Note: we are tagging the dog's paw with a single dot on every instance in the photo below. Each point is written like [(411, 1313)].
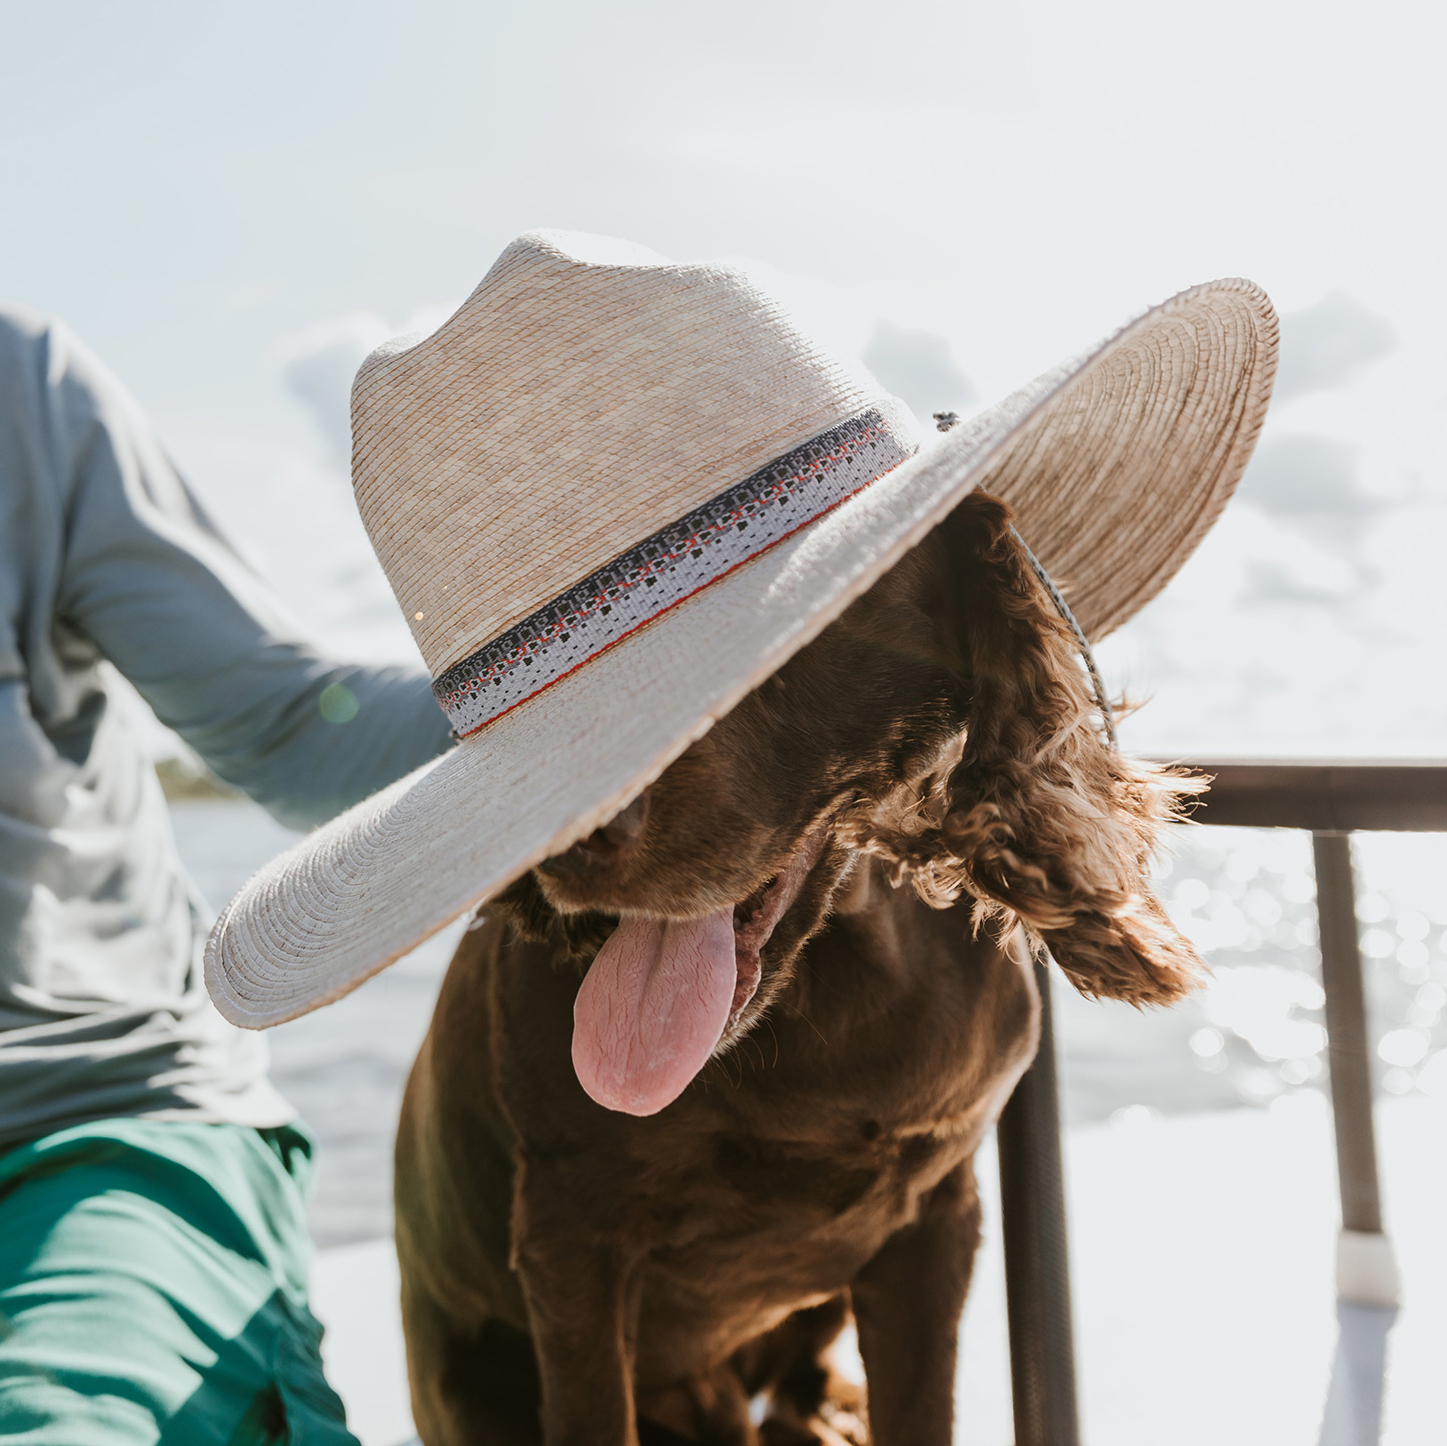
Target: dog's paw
[(843, 1426), (776, 1431), (839, 1420), (843, 1412)]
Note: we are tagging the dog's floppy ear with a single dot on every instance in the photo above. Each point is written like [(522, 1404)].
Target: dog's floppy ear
[(1041, 818)]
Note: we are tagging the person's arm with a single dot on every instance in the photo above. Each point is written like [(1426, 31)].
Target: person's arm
[(158, 590)]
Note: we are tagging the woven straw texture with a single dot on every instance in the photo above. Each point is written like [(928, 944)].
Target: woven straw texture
[(1116, 463), (1113, 511), (582, 398)]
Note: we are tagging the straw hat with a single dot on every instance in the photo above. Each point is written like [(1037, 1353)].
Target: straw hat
[(613, 494)]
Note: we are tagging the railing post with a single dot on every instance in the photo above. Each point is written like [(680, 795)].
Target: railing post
[(1037, 1263), (1366, 1268)]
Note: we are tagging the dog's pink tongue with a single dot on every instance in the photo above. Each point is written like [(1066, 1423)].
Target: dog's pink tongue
[(651, 1009)]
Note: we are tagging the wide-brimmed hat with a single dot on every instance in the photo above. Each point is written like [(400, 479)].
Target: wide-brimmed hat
[(613, 494)]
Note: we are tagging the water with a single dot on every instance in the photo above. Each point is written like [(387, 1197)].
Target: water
[(343, 1066), (1254, 1035)]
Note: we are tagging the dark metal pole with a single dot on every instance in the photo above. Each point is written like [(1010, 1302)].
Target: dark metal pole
[(1366, 1269), (1346, 1029), (1037, 1264)]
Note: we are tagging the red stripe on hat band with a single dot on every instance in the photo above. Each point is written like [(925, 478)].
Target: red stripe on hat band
[(660, 572)]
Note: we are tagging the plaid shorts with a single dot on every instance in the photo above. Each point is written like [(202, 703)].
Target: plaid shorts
[(153, 1288)]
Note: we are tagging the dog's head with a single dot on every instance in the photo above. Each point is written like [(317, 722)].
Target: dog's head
[(942, 724)]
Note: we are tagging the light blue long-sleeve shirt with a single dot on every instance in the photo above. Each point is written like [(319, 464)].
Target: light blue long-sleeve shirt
[(105, 556)]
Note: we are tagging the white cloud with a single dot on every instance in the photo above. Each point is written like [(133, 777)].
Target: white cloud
[(319, 362), (918, 367), (1325, 345)]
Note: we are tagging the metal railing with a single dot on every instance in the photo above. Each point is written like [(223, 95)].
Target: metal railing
[(1331, 800)]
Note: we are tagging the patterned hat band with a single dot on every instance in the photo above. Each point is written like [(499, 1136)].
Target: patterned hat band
[(663, 570)]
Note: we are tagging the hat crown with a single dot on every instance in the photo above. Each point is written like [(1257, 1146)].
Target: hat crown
[(586, 395)]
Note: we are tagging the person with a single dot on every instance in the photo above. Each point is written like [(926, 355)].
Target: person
[(153, 1242)]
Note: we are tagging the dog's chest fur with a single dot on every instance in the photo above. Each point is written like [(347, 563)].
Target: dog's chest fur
[(779, 1173)]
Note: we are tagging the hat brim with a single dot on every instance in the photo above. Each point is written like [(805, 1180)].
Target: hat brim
[(1116, 464)]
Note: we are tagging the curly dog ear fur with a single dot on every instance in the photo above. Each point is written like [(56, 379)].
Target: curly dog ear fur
[(1039, 819)]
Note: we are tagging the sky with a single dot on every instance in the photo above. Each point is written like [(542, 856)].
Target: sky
[(233, 202)]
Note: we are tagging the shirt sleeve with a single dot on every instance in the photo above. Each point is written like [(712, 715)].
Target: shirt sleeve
[(154, 585)]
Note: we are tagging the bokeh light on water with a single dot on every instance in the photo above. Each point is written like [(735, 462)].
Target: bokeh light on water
[(1253, 1037), (1247, 898)]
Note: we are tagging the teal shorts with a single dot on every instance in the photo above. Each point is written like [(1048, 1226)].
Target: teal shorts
[(153, 1289)]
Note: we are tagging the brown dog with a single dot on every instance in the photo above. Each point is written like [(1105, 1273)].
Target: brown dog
[(798, 1054)]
